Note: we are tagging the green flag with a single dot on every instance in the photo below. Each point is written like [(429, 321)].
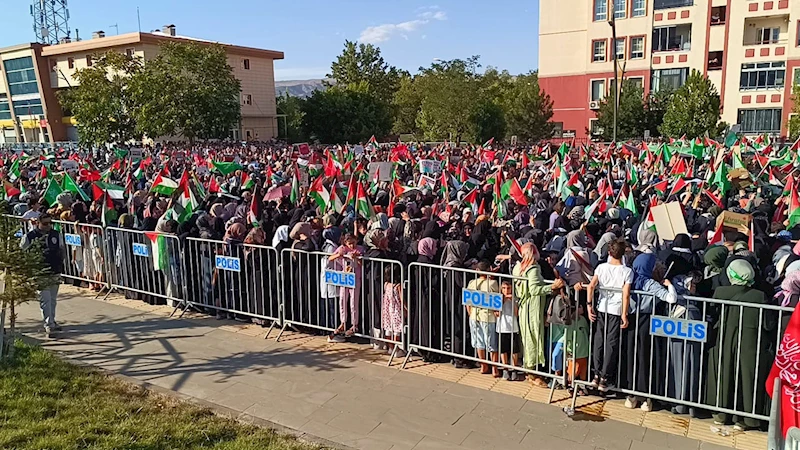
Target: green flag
[(226, 168), (630, 205), (52, 192), (68, 184), (720, 179), (730, 140), (563, 149)]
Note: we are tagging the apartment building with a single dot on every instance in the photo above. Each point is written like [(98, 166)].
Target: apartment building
[(750, 50), (32, 74)]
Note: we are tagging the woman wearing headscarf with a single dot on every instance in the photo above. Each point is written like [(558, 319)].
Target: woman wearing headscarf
[(788, 296), (577, 264), (454, 256), (375, 260), (601, 249), (679, 260), (648, 291), (532, 296), (426, 299), (305, 263), (737, 365), (714, 258), (257, 271), (229, 282)]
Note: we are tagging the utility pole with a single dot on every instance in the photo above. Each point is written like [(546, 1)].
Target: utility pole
[(613, 22)]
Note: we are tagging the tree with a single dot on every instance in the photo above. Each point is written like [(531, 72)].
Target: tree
[(406, 104), (22, 273), (528, 109), (631, 114), (489, 121), (290, 127), (101, 102), (363, 63), (694, 109), (655, 107), (339, 115), (793, 124), (188, 90)]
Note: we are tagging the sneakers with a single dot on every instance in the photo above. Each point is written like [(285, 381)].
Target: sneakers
[(647, 405), (335, 338), (631, 402), (595, 382), (48, 332), (603, 386)]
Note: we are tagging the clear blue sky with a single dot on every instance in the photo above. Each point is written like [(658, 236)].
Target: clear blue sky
[(311, 33)]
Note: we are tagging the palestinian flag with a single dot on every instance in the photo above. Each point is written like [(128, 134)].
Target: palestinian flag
[(443, 189), (294, 194), (630, 204), (247, 182), (720, 179), (633, 177), (185, 206), (363, 204), (10, 190), (254, 212), (482, 207), (661, 187), (44, 173), (516, 246), (678, 187), (52, 192), (68, 184), (320, 195), (499, 203), (336, 199), (158, 243), (593, 207), (649, 221), (114, 192), (372, 143), (226, 168), (14, 171), (717, 201), (201, 190), (163, 185), (789, 186), (471, 199), (719, 236), (737, 161), (773, 180), (794, 210), (563, 150), (511, 189), (488, 144)]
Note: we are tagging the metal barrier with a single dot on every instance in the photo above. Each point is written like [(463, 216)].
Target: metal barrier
[(467, 315), (336, 294), (238, 279), (83, 251), (689, 354), (24, 225), (146, 263)]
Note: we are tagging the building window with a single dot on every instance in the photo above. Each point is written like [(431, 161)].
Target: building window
[(715, 60), (636, 83), (600, 10), (31, 107), (639, 8), (246, 64), (594, 127), (620, 48), (88, 60), (675, 38), (619, 9), (21, 76), (248, 99), (666, 4), (129, 52), (5, 109), (768, 35), (718, 14), (599, 51), (670, 79), (769, 75), (637, 47), (760, 120), (71, 63), (598, 90)]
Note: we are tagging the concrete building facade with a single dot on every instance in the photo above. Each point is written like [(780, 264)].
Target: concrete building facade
[(749, 49), (32, 74)]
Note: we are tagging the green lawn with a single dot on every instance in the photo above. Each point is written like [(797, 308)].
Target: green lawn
[(46, 403)]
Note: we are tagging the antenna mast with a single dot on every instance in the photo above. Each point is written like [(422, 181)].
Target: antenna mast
[(50, 21)]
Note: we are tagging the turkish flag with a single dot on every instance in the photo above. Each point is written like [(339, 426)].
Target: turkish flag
[(787, 368)]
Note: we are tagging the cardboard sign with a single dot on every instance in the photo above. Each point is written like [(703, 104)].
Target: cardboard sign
[(669, 220), (135, 154), (430, 166), (732, 221), (385, 171), (303, 150), (358, 150), (69, 164)]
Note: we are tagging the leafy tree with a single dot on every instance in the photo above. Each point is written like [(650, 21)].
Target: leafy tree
[(188, 90), (528, 109), (345, 115), (407, 103), (488, 119), (655, 107), (694, 109), (290, 127), (793, 124), (363, 63), (22, 272), (631, 115), (101, 102)]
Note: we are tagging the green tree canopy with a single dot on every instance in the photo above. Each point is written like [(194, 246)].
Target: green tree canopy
[(631, 115), (528, 109), (188, 90), (100, 100), (345, 115), (793, 123), (694, 109), (363, 63), (290, 127)]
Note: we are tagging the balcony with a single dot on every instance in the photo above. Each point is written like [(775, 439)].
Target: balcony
[(766, 30), (667, 4), (672, 39), (715, 60), (718, 14)]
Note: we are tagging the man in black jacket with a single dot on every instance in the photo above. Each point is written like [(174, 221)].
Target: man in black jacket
[(51, 246)]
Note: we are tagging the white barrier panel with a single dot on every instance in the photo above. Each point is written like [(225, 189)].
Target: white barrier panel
[(84, 252)]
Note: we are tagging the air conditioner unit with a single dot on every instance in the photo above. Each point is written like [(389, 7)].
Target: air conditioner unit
[(594, 105)]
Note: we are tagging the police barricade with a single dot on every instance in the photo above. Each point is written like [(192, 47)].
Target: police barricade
[(145, 264), (83, 252), (238, 280), (343, 296), (697, 354), (469, 317)]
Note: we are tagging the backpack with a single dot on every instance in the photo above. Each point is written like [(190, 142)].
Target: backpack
[(561, 310)]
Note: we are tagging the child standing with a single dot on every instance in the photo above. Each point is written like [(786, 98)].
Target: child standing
[(392, 309), (348, 259), (508, 329), (482, 321)]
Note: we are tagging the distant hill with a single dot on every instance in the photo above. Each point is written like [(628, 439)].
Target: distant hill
[(299, 88)]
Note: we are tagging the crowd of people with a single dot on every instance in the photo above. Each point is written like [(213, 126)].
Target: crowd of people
[(579, 260)]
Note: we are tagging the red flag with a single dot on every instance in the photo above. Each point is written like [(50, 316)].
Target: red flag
[(679, 168), (515, 245), (714, 198), (10, 189), (482, 207), (525, 161), (678, 187), (516, 193), (786, 368), (719, 236), (213, 186), (330, 167)]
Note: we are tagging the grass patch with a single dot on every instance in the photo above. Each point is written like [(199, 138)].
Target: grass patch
[(47, 403)]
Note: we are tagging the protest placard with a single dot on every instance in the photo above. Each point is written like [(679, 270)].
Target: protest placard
[(732, 221), (430, 166), (669, 220), (385, 173)]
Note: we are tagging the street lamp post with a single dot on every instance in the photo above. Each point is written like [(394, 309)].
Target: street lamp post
[(613, 22)]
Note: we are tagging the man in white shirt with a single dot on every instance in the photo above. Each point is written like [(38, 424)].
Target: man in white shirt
[(611, 314)]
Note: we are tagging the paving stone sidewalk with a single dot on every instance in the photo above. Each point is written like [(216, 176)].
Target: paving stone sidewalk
[(336, 394)]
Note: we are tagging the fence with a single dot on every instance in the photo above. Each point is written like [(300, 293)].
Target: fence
[(83, 252), (697, 344), (335, 293)]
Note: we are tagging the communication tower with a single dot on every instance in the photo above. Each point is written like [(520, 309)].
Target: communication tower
[(50, 21)]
